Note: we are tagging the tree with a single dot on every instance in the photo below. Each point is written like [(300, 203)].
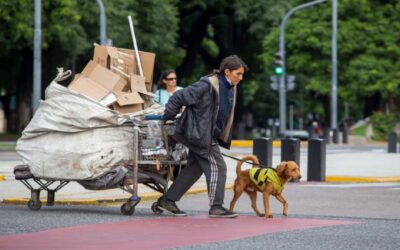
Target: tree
[(211, 30), (69, 29), (368, 55)]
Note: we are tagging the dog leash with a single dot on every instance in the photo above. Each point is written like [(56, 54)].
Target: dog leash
[(248, 162)]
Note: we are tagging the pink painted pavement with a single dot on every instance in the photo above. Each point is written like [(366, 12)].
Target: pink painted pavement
[(158, 233)]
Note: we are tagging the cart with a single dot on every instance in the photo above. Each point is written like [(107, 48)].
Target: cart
[(157, 159)]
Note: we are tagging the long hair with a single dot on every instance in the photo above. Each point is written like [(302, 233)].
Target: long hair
[(163, 76)]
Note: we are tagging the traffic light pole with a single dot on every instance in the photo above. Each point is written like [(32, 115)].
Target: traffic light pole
[(282, 87)]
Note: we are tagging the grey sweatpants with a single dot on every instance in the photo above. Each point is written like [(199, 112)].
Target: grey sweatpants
[(214, 169)]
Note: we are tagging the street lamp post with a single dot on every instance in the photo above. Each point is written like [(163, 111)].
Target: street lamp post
[(37, 56), (282, 87), (103, 25)]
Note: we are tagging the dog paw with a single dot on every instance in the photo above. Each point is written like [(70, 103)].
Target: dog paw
[(261, 215), (269, 216), (285, 214)]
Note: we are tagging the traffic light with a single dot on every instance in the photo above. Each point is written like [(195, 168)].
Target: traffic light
[(278, 64)]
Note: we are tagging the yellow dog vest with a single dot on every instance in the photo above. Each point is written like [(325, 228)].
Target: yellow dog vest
[(260, 176)]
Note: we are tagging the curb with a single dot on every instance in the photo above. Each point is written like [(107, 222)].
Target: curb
[(249, 143), (362, 179), (155, 195), (109, 202)]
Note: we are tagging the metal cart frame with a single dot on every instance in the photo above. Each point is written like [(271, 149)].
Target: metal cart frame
[(161, 171)]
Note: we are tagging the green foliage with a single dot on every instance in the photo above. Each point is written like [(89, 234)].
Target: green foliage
[(382, 125), (193, 36), (155, 22), (360, 131), (16, 25), (249, 90), (62, 31), (368, 47)]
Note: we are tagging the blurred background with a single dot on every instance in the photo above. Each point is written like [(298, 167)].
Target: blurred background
[(192, 36)]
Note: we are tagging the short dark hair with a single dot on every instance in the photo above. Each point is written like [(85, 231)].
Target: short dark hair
[(232, 62), (163, 76)]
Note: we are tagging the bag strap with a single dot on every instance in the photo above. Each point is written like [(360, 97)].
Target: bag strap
[(61, 75)]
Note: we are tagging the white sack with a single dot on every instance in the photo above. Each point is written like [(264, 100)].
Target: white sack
[(72, 137)]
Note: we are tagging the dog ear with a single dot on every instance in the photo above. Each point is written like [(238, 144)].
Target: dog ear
[(280, 169)]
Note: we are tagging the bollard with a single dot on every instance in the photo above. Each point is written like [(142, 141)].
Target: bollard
[(335, 136), (392, 143), (241, 131), (311, 133), (345, 135), (262, 148), (290, 150), (327, 135), (316, 160)]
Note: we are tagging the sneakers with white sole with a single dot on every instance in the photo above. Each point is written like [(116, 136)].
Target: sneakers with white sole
[(170, 206), (221, 212)]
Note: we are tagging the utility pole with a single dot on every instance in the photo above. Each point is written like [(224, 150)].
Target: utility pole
[(37, 57), (334, 115), (103, 25), (282, 87)]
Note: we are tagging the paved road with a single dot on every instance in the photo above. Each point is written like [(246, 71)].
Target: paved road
[(343, 162), (321, 216)]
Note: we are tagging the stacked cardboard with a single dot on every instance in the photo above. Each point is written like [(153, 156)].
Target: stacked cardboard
[(112, 78)]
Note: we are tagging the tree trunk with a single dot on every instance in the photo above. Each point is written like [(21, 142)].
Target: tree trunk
[(194, 40), (24, 90)]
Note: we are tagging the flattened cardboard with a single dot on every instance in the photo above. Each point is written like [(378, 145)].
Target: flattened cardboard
[(122, 62), (125, 98), (128, 102), (138, 84), (104, 77), (102, 55), (147, 60), (91, 89), (128, 108)]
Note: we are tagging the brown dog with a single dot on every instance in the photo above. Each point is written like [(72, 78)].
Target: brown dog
[(267, 183)]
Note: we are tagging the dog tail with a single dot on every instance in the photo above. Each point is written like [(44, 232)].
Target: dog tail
[(252, 158)]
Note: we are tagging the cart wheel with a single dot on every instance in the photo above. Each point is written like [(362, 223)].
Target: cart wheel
[(34, 205), (155, 208), (127, 210)]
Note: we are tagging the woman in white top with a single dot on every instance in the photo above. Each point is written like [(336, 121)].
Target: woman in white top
[(167, 85)]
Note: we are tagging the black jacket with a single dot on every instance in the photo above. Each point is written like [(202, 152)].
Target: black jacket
[(196, 125)]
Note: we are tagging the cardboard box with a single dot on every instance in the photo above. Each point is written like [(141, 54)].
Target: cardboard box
[(128, 102), (148, 100), (104, 77), (93, 90), (138, 84), (147, 60), (123, 62)]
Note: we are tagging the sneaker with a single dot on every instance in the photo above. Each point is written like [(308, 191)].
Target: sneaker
[(170, 206), (221, 212)]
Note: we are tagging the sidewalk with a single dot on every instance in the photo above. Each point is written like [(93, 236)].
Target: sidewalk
[(342, 165)]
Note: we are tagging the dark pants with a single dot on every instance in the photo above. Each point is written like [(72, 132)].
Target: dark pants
[(213, 167)]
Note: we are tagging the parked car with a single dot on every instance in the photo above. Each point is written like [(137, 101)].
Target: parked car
[(300, 134)]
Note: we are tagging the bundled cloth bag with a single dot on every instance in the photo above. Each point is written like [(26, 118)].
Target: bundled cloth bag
[(72, 137)]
